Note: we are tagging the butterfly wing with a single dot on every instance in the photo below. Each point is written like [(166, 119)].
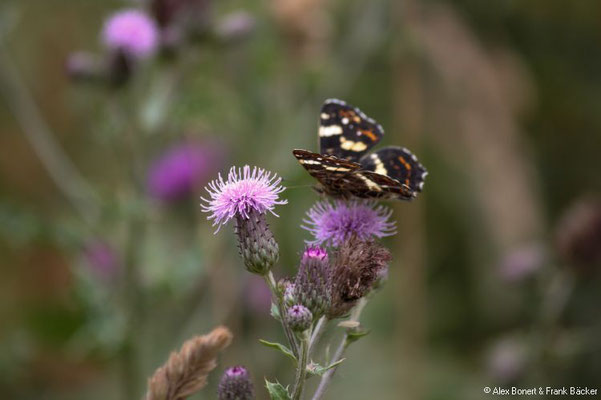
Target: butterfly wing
[(331, 172), (399, 164), (345, 131), (343, 178)]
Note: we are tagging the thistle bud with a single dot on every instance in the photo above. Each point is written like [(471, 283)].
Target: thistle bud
[(312, 283), (256, 244), (299, 318), (235, 384), (286, 290), (579, 234), (358, 267)]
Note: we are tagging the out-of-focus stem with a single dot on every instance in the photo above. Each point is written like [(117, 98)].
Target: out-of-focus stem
[(282, 310), (317, 332), (556, 294), (136, 225), (132, 299), (326, 379), (58, 165)]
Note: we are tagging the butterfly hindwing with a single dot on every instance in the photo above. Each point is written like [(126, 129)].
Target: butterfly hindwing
[(399, 164), (345, 131)]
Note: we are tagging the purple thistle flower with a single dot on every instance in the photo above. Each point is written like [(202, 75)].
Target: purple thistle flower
[(333, 224), (315, 252), (132, 32), (179, 171), (235, 384), (246, 191)]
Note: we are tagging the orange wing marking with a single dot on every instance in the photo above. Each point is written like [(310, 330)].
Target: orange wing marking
[(408, 166)]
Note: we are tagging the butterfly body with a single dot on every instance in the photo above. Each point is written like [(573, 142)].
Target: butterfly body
[(344, 168)]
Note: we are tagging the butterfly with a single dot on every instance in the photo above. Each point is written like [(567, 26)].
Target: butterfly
[(345, 168)]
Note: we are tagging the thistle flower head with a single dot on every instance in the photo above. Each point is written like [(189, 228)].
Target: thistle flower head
[(579, 234), (245, 191), (312, 282), (315, 252), (132, 32), (235, 384), (357, 268), (333, 224), (299, 318)]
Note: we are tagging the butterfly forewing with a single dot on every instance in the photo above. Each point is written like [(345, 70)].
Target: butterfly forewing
[(345, 131), (330, 171)]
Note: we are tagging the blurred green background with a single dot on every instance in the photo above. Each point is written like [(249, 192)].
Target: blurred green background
[(500, 101)]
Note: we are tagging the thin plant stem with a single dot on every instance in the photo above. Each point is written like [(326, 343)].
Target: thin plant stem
[(132, 298), (555, 296), (301, 367), (59, 166), (326, 379), (317, 332), (281, 309), (137, 225)]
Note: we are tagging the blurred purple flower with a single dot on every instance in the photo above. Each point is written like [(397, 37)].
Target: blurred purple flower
[(507, 359), (181, 169), (83, 66), (103, 260), (132, 32), (235, 26), (522, 262), (244, 192), (332, 224)]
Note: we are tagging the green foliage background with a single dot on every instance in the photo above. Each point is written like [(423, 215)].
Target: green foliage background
[(500, 100)]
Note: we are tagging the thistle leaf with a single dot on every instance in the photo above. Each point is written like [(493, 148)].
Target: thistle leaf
[(353, 335), (277, 391), (281, 348), (275, 312), (316, 369)]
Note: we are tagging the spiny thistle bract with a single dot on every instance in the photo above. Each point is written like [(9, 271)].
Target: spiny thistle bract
[(312, 283), (235, 384), (357, 268)]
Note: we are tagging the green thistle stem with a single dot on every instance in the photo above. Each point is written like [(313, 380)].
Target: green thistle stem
[(301, 368), (282, 311)]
